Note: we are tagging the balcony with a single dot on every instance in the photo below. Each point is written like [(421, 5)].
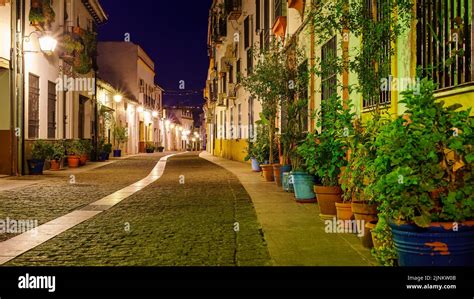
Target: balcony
[(222, 100), (233, 9), (219, 30), (279, 26)]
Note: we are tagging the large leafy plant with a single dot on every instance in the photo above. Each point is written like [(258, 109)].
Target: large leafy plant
[(359, 172), (325, 154), (424, 165)]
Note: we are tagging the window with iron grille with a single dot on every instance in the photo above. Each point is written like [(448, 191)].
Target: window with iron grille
[(33, 106), (383, 66), (444, 40), (329, 78), (279, 9), (266, 14), (51, 110), (232, 124), (239, 120)]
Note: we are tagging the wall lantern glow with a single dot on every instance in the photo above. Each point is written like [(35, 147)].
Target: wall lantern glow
[(140, 109), (167, 123), (155, 114), (172, 126), (47, 44), (118, 98)]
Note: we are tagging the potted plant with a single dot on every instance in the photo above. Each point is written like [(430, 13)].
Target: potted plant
[(86, 149), (58, 153), (301, 179), (325, 153), (106, 151), (41, 14), (74, 151), (161, 149), (40, 151), (150, 148), (254, 156), (424, 181), (359, 172), (120, 135)]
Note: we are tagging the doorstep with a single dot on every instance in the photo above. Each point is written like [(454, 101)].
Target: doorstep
[(294, 232)]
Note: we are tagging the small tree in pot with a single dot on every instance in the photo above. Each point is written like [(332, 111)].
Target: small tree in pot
[(120, 135), (57, 155)]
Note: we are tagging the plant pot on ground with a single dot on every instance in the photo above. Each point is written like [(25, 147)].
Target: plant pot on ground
[(277, 174), (57, 155), (161, 149), (40, 151), (74, 151), (120, 135), (86, 149), (303, 186), (325, 153), (428, 149), (254, 155), (150, 148), (267, 170)]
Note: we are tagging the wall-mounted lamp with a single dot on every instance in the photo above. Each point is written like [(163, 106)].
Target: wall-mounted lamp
[(47, 43)]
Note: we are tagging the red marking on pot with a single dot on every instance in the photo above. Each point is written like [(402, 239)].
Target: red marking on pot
[(440, 247)]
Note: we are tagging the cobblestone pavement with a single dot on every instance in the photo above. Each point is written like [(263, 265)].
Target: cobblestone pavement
[(197, 214), (55, 196)]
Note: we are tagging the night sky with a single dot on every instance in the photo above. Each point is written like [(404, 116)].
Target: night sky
[(173, 33)]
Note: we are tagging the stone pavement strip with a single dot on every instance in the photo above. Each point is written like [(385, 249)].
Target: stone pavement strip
[(18, 245), (294, 233)]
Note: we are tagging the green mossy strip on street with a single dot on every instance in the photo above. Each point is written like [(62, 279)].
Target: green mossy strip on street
[(187, 218)]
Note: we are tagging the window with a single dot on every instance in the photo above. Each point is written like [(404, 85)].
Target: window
[(51, 110), (258, 15), (383, 66), (266, 14), (249, 61), (232, 124), (329, 78), (33, 106), (238, 71), (231, 73), (239, 121), (444, 41), (224, 82), (247, 33), (251, 119)]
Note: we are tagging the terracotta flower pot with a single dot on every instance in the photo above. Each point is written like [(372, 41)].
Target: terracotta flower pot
[(369, 240), (327, 198), (277, 174), (83, 160), (268, 172), (364, 213), (55, 165), (344, 211), (73, 161)]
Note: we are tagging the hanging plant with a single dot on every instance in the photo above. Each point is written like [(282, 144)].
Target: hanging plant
[(42, 14)]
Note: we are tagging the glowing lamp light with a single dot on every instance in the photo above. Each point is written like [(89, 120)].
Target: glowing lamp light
[(155, 114), (172, 126), (47, 44), (194, 139), (167, 123), (180, 128), (118, 98), (140, 109)]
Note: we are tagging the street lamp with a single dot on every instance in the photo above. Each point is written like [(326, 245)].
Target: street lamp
[(140, 109), (155, 114), (118, 98), (47, 43)]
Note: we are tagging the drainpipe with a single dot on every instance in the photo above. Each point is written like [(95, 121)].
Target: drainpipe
[(18, 84), (13, 87)]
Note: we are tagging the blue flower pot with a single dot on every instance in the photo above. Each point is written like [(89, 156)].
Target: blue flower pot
[(304, 186), (437, 245), (35, 166), (283, 169), (255, 165), (117, 153)]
